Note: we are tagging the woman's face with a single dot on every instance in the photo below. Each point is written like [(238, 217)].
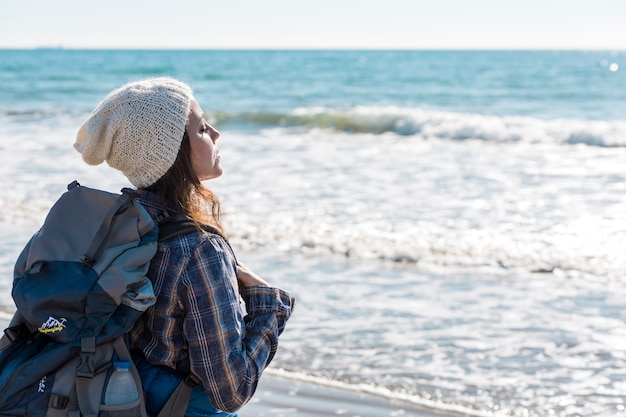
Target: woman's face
[(205, 158)]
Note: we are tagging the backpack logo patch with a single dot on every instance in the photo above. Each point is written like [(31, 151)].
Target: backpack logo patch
[(52, 325)]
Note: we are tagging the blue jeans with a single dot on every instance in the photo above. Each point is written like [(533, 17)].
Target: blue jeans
[(160, 382)]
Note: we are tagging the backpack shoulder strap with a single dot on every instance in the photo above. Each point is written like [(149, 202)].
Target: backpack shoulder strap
[(176, 405), (180, 225)]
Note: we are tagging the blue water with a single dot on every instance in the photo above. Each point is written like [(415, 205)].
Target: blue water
[(451, 222), (545, 85)]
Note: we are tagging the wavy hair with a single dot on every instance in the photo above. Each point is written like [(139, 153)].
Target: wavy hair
[(181, 186)]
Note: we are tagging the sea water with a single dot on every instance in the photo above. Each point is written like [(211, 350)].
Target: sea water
[(452, 224)]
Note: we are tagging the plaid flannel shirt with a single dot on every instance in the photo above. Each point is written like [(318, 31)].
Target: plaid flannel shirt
[(199, 314)]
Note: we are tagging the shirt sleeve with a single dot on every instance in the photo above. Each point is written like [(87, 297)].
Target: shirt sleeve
[(229, 346)]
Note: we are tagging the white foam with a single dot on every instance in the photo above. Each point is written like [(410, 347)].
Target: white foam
[(436, 124), (468, 325)]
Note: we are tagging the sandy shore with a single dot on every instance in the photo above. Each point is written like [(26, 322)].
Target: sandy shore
[(278, 397)]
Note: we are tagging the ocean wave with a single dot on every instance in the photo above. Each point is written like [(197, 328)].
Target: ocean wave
[(399, 121), (424, 244), (31, 113), (419, 244), (53, 116), (433, 124)]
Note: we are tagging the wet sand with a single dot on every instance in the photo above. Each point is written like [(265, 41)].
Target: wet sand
[(277, 397)]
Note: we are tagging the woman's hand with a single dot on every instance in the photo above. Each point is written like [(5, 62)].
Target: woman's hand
[(247, 278)]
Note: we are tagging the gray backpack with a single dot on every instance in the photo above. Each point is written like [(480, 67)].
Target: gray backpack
[(79, 285)]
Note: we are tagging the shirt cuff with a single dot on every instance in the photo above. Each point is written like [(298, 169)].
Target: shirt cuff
[(260, 299)]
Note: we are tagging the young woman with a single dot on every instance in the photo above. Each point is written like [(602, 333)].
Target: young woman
[(154, 131)]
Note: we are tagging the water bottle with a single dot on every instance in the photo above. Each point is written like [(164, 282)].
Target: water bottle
[(121, 388)]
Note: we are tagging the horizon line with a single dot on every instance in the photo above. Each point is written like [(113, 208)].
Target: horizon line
[(308, 48)]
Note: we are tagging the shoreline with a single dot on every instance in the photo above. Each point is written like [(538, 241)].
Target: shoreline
[(279, 395), (289, 394)]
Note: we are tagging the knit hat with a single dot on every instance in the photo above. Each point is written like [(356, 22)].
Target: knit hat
[(137, 129)]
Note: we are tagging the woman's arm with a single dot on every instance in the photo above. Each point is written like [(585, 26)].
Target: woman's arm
[(247, 278), (229, 348)]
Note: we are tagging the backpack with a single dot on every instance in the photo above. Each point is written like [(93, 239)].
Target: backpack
[(79, 286)]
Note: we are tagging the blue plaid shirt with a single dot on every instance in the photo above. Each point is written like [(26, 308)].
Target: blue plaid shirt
[(199, 315)]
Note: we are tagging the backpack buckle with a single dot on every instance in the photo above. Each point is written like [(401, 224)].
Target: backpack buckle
[(192, 381), (19, 332), (86, 367), (60, 402)]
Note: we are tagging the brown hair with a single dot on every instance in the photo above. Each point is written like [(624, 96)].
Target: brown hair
[(181, 186)]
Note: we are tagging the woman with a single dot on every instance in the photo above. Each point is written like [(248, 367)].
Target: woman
[(154, 131)]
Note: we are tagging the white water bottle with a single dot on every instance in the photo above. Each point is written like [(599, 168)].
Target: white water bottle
[(121, 388)]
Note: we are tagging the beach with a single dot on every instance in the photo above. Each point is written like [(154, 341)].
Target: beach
[(278, 397), (452, 224)]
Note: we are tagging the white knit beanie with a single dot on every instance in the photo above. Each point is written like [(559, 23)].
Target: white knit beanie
[(137, 129)]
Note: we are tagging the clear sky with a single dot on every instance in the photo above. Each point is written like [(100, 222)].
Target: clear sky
[(328, 24)]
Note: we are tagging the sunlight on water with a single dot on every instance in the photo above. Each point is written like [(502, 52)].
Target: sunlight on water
[(541, 300), (518, 345), (454, 239)]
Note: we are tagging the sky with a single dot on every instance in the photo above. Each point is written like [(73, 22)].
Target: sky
[(314, 24)]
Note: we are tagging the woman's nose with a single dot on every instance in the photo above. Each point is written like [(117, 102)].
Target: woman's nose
[(214, 133)]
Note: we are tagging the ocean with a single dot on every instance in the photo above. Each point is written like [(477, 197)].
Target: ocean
[(452, 223)]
